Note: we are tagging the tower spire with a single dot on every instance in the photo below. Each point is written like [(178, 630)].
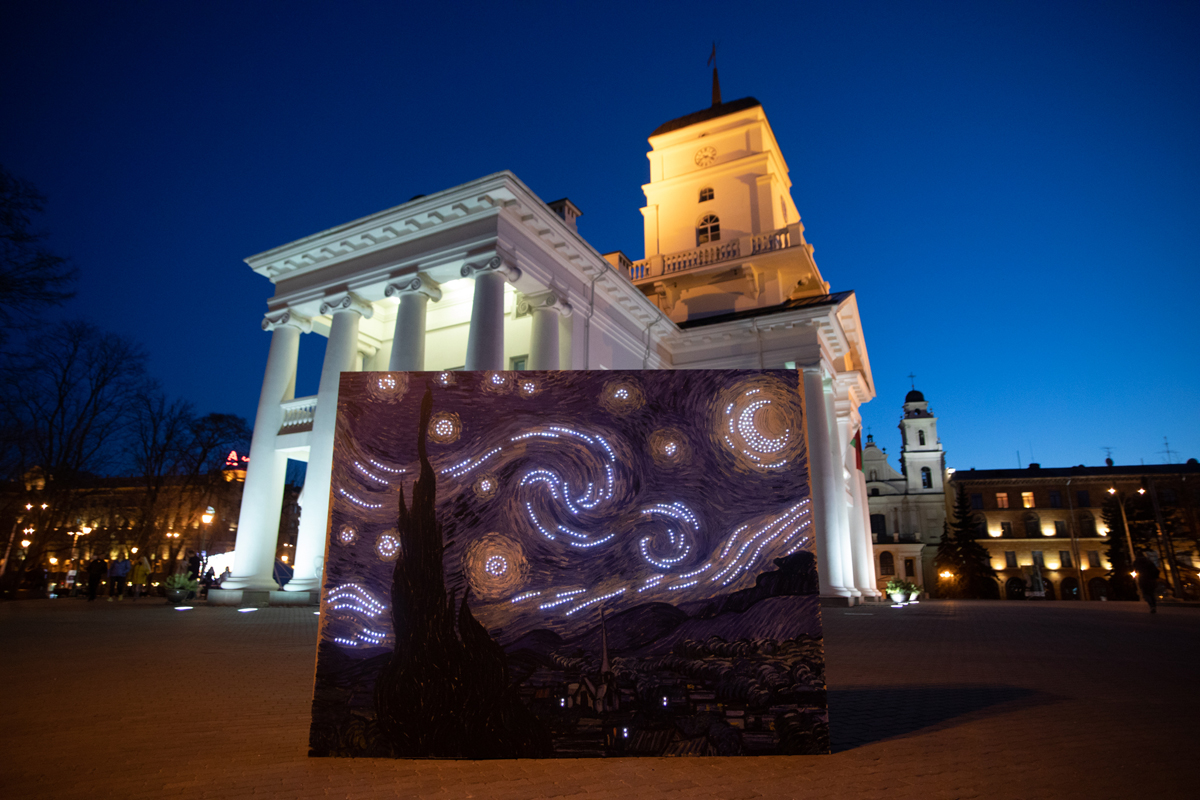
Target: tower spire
[(712, 62)]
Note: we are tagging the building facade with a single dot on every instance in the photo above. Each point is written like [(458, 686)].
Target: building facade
[(907, 506), (486, 276), (1045, 533)]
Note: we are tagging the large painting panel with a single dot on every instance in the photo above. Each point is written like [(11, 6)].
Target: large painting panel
[(568, 564)]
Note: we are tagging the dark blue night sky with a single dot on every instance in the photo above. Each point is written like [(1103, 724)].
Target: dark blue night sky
[(1011, 190)]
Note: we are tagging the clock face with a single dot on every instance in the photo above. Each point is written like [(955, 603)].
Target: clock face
[(705, 156)]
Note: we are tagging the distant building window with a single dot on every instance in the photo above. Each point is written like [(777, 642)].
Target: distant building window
[(1033, 526), (1060, 528), (926, 478), (1055, 499), (1087, 525), (1093, 559), (977, 502), (1064, 560), (518, 362), (1167, 496), (1039, 560), (709, 229), (1001, 499), (1082, 499), (874, 493), (910, 568), (921, 437), (887, 563), (706, 194), (1010, 559), (1027, 500), (879, 524), (1006, 529)]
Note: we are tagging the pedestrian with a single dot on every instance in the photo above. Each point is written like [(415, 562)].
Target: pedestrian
[(1147, 578), (96, 569), (138, 576), (193, 565), (221, 578), (118, 574)]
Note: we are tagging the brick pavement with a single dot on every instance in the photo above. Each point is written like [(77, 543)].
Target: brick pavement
[(941, 700)]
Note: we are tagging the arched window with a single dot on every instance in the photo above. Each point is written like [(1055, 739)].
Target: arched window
[(921, 437), (926, 478), (706, 194), (709, 229), (887, 563)]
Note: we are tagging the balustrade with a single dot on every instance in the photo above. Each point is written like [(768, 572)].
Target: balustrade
[(298, 414)]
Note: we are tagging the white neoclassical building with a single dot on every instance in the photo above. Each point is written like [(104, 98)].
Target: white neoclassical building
[(488, 276)]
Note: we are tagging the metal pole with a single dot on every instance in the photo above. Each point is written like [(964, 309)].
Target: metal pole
[(1172, 567), (1129, 541), (1075, 542)]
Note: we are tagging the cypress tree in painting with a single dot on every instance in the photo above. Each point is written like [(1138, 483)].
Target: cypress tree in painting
[(446, 691)]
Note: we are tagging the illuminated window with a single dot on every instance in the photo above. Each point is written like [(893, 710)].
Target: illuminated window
[(1060, 528), (1055, 500), (1006, 529), (706, 194), (709, 229), (977, 502), (921, 437), (1001, 499), (926, 478), (1093, 559), (1010, 559), (887, 564), (1026, 499), (1064, 560)]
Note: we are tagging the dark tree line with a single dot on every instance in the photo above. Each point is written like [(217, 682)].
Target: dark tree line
[(962, 558)]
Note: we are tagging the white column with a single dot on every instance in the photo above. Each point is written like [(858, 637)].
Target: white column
[(546, 308), (824, 499), (837, 448), (340, 353), (408, 342), (262, 495), (485, 339), (860, 533)]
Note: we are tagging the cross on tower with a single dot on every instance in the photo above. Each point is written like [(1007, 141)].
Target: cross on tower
[(912, 379)]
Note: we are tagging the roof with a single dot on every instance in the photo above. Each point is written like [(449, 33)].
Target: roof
[(720, 110), (914, 397), (788, 305), (1075, 472)]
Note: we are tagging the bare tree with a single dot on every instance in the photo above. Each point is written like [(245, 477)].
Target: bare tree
[(30, 275), (66, 401)]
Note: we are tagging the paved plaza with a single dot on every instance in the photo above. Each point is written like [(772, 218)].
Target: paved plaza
[(939, 700)]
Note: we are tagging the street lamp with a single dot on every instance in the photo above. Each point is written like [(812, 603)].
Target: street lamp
[(1128, 538)]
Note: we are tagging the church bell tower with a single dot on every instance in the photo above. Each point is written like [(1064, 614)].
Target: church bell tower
[(921, 458)]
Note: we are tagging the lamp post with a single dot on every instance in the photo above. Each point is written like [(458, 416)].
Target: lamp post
[(84, 530), (1128, 539)]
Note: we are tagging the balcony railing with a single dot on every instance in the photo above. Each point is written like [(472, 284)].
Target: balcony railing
[(298, 414), (713, 253)]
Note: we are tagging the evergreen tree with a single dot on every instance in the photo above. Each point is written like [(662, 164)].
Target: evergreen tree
[(1141, 531), (947, 561), (976, 578)]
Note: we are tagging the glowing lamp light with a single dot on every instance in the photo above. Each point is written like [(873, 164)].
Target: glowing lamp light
[(1112, 491), (208, 515), (1133, 574), (85, 530), (994, 534), (25, 543), (283, 558), (29, 506), (133, 550), (53, 560), (946, 574), (45, 506), (1141, 491)]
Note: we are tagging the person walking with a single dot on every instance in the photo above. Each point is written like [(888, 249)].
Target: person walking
[(193, 564), (96, 569), (1147, 578), (138, 577), (118, 574)]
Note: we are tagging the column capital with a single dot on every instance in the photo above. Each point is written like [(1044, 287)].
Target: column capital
[(418, 284), (346, 301), (494, 264), (544, 301), (275, 319)]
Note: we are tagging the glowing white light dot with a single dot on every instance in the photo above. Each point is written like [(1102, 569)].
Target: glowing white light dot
[(496, 565)]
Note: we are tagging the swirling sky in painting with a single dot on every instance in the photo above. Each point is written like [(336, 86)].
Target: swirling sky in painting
[(562, 493)]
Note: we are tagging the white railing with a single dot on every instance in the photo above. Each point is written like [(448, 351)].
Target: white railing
[(298, 414), (711, 254)]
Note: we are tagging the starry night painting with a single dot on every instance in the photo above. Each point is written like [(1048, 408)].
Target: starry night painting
[(570, 564)]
